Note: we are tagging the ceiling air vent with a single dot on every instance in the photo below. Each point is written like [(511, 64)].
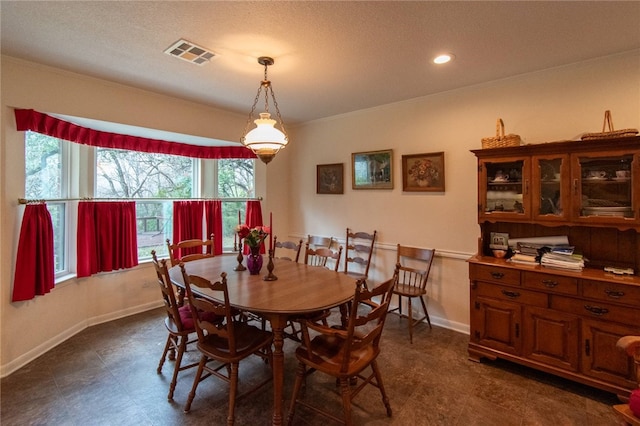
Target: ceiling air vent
[(190, 52)]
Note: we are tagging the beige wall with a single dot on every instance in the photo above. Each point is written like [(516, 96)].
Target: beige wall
[(545, 106)]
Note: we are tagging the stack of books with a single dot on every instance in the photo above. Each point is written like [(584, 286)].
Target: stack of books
[(524, 259), (573, 262)]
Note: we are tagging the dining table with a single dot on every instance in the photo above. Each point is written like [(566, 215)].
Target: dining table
[(298, 289)]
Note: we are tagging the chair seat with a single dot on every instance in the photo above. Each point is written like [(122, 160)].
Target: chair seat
[(408, 290), (248, 339), (327, 353), (187, 318)]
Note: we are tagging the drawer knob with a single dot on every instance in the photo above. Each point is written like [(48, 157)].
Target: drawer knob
[(497, 275), (614, 294), (550, 283), (511, 294), (596, 310)]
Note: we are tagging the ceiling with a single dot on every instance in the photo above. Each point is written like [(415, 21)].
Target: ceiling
[(330, 57)]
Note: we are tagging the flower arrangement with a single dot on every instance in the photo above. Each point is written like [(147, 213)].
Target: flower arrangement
[(253, 237), (423, 172)]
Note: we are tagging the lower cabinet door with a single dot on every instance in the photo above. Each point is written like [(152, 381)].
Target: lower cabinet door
[(600, 356), (551, 337), (496, 324)]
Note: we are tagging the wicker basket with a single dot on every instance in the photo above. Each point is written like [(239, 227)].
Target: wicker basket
[(500, 140), (608, 124)]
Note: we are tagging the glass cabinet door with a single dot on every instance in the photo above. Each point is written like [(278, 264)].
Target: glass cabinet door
[(603, 188), (503, 188), (550, 187)]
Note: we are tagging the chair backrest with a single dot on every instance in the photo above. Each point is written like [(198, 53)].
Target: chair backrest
[(188, 250), (171, 305), (316, 241), (413, 265), (358, 251), (204, 309), (320, 256), (288, 249)]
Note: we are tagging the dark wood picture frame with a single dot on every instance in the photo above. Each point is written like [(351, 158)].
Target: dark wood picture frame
[(423, 172), (330, 178), (372, 169)]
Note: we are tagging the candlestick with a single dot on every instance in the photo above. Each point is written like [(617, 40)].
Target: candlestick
[(240, 266), (270, 276)]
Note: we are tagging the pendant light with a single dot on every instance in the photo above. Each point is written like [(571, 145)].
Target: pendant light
[(265, 140)]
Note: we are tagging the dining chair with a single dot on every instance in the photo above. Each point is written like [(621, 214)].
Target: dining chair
[(321, 256), (317, 241), (413, 266), (629, 413), (225, 343), (179, 324), (358, 252), (288, 249), (345, 353), (188, 250)]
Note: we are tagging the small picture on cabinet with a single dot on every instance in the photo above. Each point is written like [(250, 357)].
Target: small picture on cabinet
[(423, 172), (499, 241)]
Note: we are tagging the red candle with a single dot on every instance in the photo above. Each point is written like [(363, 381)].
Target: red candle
[(270, 231), (238, 217)]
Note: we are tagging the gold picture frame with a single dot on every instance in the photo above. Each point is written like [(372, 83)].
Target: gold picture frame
[(372, 169), (330, 178), (423, 172)]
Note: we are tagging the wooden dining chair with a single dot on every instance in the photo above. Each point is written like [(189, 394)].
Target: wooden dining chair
[(188, 250), (322, 257), (629, 414), (317, 241), (287, 250), (358, 252), (345, 353), (224, 343), (413, 266), (179, 324)]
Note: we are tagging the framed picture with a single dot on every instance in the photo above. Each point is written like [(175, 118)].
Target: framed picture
[(423, 172), (330, 178), (372, 170), (499, 241)]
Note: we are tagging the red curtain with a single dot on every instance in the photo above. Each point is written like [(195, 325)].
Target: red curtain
[(106, 237), (28, 119), (213, 220), (187, 223), (253, 219), (35, 268)]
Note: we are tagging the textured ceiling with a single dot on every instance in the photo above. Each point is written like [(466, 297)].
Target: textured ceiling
[(330, 57)]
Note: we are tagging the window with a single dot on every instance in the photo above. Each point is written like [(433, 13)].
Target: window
[(155, 180)]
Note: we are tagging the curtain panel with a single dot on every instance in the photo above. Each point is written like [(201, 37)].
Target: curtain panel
[(187, 224), (253, 219), (35, 268), (106, 237), (213, 221), (28, 119)]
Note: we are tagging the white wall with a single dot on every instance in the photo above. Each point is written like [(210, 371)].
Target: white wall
[(545, 106)]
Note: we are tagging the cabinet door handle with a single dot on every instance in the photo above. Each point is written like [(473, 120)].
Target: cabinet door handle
[(511, 294), (614, 294), (497, 275), (550, 283), (596, 310)]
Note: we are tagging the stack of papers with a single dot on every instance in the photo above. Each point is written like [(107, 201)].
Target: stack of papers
[(574, 262), (524, 259)]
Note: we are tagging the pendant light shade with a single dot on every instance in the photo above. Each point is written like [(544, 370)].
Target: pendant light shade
[(265, 140)]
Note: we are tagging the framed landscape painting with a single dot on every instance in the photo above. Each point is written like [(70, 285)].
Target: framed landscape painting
[(372, 170), (330, 178), (423, 172)]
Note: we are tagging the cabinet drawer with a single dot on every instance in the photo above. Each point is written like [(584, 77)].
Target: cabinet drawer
[(518, 295), (596, 310), (550, 283), (494, 274), (611, 292)]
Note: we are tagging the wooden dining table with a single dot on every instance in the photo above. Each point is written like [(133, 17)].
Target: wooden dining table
[(299, 289)]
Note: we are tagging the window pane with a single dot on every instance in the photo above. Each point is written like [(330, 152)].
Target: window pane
[(58, 219), (43, 166), (129, 174), (236, 178)]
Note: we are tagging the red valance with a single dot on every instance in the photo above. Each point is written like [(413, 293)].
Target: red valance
[(28, 119)]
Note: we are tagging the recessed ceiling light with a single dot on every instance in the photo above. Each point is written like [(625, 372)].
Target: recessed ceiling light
[(443, 59)]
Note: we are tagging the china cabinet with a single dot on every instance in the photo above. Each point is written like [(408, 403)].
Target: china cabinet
[(560, 321)]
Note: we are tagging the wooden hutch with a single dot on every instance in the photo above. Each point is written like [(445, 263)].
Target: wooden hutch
[(559, 321)]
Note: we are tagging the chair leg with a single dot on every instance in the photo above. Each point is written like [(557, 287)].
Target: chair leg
[(410, 313), (400, 306), (182, 347), (426, 314), (345, 390), (164, 354), (385, 398), (233, 390), (300, 373), (196, 380)]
